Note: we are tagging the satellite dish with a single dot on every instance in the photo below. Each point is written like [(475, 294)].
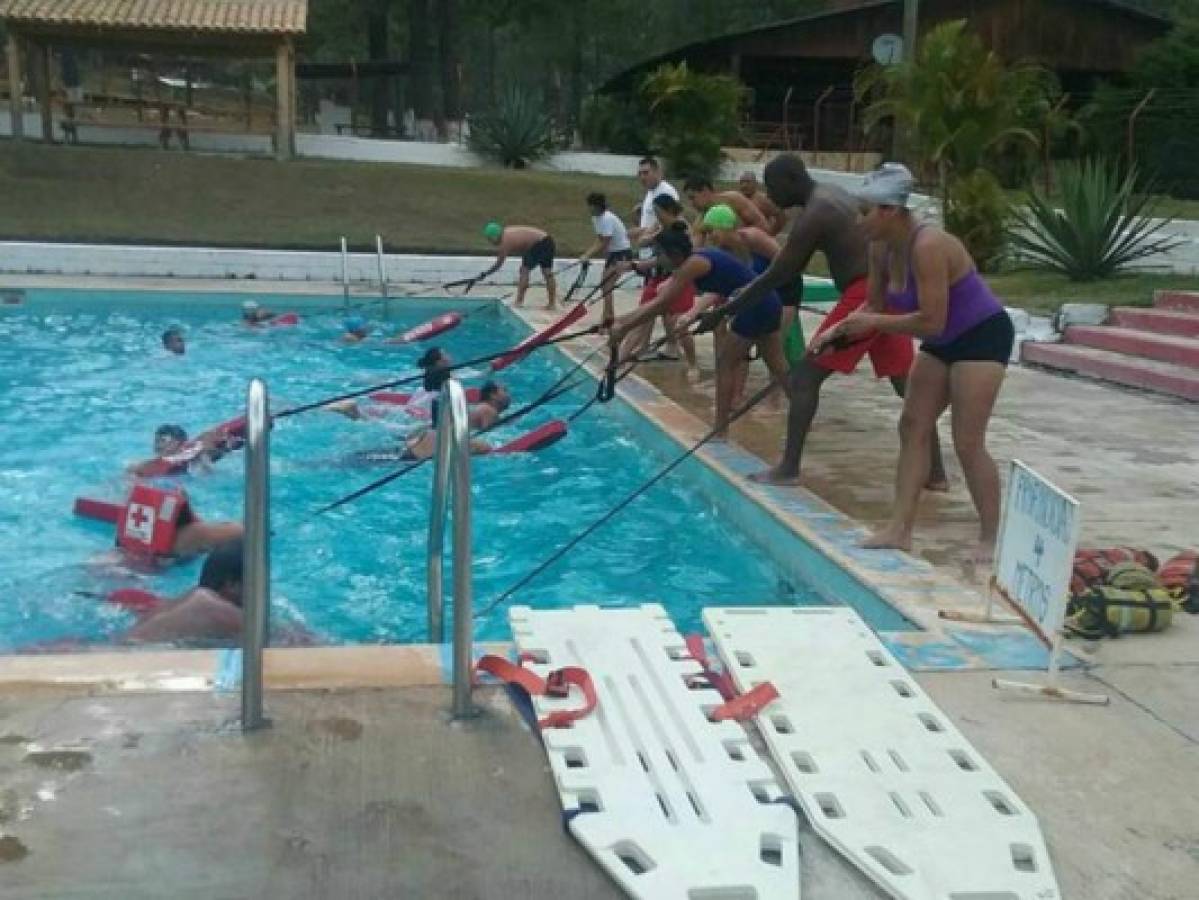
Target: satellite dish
[(887, 49)]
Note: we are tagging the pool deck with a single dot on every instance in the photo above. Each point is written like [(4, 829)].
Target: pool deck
[(121, 774)]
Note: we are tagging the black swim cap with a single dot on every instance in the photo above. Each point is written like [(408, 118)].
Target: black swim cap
[(223, 567), (172, 431)]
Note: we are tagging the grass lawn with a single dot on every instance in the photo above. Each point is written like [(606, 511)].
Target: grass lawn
[(1045, 292), (146, 196)]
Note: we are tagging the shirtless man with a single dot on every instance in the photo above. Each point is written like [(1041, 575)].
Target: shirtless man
[(776, 219), (494, 399), (174, 454), (211, 611), (703, 197), (829, 223), (536, 249)]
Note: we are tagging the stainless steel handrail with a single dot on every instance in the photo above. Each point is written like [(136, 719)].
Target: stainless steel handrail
[(256, 559), (453, 461), (345, 277), (382, 258)]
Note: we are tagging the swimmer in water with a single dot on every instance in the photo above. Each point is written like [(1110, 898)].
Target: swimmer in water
[(172, 341), (423, 445), (494, 399), (355, 329), (211, 611), (253, 314), (174, 454)]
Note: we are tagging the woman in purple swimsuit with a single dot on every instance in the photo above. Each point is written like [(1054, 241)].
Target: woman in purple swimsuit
[(926, 281)]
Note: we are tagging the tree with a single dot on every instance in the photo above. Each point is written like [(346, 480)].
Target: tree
[(692, 116), (963, 110)]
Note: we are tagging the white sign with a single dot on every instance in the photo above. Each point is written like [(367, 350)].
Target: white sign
[(1035, 555), (887, 49)]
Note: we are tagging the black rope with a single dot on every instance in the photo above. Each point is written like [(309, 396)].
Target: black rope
[(619, 507), (412, 379)]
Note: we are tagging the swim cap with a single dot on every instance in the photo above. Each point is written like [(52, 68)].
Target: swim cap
[(493, 231), (889, 185), (249, 305), (354, 324), (720, 218)]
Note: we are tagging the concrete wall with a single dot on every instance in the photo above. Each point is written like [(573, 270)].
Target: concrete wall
[(33, 258)]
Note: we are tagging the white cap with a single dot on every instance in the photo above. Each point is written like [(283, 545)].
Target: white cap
[(249, 305), (889, 185)]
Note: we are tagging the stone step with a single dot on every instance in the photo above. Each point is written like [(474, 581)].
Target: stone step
[(1183, 351), (1163, 321), (1148, 374), (1180, 301)]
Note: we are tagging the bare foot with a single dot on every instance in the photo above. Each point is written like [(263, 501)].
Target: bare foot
[(720, 437), (984, 556), (887, 539), (938, 485), (519, 303), (775, 476), (692, 375), (551, 306)]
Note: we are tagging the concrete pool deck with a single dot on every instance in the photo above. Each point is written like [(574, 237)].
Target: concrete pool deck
[(370, 792)]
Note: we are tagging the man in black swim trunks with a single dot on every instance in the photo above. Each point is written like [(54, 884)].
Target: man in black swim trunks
[(536, 249)]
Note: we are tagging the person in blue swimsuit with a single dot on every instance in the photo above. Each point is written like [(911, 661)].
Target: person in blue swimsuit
[(716, 275)]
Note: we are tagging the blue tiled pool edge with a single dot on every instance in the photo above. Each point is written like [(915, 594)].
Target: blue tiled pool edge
[(817, 544)]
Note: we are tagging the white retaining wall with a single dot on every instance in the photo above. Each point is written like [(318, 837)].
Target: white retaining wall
[(34, 258)]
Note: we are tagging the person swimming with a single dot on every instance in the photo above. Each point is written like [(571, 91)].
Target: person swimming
[(211, 611), (175, 454), (355, 329), (172, 341)]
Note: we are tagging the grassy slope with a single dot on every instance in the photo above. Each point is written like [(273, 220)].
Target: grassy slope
[(94, 194)]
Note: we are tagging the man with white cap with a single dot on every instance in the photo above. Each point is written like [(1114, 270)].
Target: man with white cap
[(253, 314), (828, 222), (930, 287)]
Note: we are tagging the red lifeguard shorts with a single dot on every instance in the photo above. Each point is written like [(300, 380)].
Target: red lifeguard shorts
[(890, 354), (682, 303)]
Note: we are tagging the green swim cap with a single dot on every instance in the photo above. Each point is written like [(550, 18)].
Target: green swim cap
[(493, 231), (720, 218)]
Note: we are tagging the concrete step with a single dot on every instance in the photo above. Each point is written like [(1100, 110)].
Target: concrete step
[(1180, 301), (1163, 321), (1148, 374), (1183, 351)]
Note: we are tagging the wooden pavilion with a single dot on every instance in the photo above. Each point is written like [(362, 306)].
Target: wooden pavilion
[(240, 29)]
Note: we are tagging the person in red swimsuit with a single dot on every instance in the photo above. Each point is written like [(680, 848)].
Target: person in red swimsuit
[(828, 222)]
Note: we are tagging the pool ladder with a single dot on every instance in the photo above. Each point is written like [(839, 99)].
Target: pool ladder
[(380, 258), (256, 557), (453, 470)]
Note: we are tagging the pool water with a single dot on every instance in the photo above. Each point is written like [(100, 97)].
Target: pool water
[(84, 383)]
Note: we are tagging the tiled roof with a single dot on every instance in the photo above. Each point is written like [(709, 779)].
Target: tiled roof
[(227, 16)]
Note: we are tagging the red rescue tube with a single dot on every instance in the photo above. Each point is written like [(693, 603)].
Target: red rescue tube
[(100, 510), (136, 600), (429, 329), (399, 399), (536, 340), (537, 439), (287, 318)]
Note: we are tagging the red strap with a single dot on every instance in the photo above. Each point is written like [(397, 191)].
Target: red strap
[(748, 705), (522, 349), (558, 684), (721, 681)]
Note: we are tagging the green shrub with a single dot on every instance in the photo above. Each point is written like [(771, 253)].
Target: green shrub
[(516, 132), (692, 116), (617, 123), (1098, 225), (977, 211)]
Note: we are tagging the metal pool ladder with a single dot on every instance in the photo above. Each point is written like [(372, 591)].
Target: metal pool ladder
[(256, 558), (453, 463)]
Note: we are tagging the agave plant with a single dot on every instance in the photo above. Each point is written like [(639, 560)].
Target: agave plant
[(1099, 225), (516, 132)]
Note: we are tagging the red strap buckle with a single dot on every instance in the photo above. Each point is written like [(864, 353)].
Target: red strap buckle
[(556, 684), (748, 705)]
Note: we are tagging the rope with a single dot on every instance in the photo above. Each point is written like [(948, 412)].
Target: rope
[(412, 379), (619, 507)]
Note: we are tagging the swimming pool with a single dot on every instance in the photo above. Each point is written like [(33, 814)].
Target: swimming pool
[(84, 383)]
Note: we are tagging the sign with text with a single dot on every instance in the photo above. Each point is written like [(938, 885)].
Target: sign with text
[(1035, 554)]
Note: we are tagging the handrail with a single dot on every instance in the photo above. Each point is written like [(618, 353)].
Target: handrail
[(453, 460), (345, 277), (382, 266), (256, 561)]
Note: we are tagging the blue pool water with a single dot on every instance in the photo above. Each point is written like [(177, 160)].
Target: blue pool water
[(84, 383)]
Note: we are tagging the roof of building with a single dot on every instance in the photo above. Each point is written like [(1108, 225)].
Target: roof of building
[(256, 17), (686, 50)]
